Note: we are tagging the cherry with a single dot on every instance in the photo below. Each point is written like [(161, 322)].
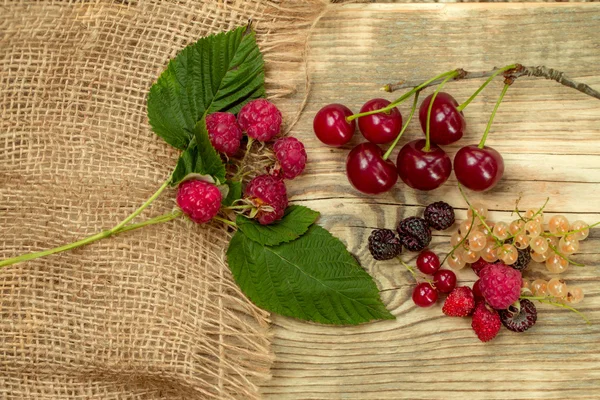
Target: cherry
[(424, 295), (447, 124), (428, 262), (382, 127), (444, 280), (420, 169), (368, 172), (478, 168), (331, 127)]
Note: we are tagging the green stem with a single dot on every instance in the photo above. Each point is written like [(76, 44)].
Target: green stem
[(498, 72), (489, 125), (570, 232), (554, 249), (545, 300), (428, 123), (88, 240), (243, 160), (412, 112), (476, 213), (461, 241), (225, 221), (241, 207), (405, 96), (142, 207)]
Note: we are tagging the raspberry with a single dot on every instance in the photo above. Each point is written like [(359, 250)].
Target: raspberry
[(260, 119), (291, 156), (267, 191), (224, 132), (384, 244), (414, 233), (522, 320), (439, 215), (486, 322), (500, 285), (459, 303), (199, 200)]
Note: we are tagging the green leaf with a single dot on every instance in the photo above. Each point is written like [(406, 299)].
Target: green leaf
[(199, 158), (312, 278), (235, 192), (295, 222), (217, 73)]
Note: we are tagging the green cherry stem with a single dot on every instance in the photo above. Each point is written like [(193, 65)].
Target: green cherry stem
[(412, 112), (90, 239), (491, 120), (491, 78), (405, 96), (437, 90)]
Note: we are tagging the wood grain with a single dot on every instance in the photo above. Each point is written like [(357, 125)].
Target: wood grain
[(550, 138)]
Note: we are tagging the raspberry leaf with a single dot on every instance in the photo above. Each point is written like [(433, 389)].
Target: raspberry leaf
[(295, 222), (220, 72), (199, 158), (235, 192), (312, 278)]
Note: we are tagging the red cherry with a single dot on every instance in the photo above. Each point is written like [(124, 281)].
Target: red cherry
[(428, 262), (331, 127), (423, 170), (368, 172), (382, 127), (478, 169), (444, 280), (424, 295), (447, 124)]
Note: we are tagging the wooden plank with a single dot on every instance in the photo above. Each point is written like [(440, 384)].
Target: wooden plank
[(550, 138)]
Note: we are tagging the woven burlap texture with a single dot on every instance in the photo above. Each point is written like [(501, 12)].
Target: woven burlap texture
[(152, 313)]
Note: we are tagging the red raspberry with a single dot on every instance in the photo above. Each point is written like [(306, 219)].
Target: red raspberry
[(260, 119), (459, 303), (224, 132), (291, 156), (269, 191), (486, 322), (500, 285), (199, 200)]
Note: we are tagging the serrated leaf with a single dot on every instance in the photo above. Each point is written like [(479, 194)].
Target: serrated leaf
[(235, 192), (312, 278), (295, 222), (199, 158), (217, 73)]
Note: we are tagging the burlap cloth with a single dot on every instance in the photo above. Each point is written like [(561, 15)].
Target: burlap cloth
[(153, 313)]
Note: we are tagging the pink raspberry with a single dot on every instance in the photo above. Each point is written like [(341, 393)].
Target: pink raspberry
[(269, 191), (199, 200), (260, 119), (500, 285), (291, 156), (224, 132)]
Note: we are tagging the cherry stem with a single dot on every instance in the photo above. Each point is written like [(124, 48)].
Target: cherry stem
[(546, 300), (412, 112), (437, 90), (489, 125), (405, 96), (494, 74)]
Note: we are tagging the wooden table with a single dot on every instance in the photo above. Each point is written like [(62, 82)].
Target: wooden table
[(549, 136)]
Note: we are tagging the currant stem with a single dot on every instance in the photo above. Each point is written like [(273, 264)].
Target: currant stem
[(437, 90), (546, 300), (554, 249), (412, 112), (489, 125), (88, 240), (571, 232), (461, 241), (491, 78), (476, 213), (405, 96)]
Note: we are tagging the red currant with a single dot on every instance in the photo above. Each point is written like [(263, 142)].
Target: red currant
[(424, 295), (428, 262), (477, 291), (331, 127), (444, 280), (382, 127)]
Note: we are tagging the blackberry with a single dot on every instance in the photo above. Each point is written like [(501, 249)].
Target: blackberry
[(414, 233), (384, 244), (519, 321), (439, 215)]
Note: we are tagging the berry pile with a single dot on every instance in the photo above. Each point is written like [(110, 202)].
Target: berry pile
[(265, 196)]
